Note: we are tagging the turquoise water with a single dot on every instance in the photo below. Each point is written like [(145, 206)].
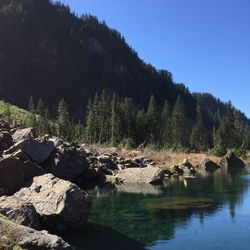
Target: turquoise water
[(208, 213)]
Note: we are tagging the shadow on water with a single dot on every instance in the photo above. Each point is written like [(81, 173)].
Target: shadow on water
[(136, 216), (97, 237)]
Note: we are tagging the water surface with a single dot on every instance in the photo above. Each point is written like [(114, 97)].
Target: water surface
[(207, 213)]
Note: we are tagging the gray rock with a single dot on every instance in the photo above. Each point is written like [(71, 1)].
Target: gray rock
[(188, 169), (37, 151), (151, 175), (232, 162), (12, 175), (20, 212), (67, 163), (29, 238), (60, 204), (209, 165), (31, 169), (6, 137), (25, 133)]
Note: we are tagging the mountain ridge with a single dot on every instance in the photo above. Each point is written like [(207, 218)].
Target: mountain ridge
[(71, 57)]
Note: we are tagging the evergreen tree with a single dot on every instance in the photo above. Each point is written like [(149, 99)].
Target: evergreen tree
[(40, 108), (198, 140), (115, 121), (32, 116), (165, 125), (228, 135), (63, 119), (151, 121), (104, 114), (179, 125), (127, 118), (140, 127)]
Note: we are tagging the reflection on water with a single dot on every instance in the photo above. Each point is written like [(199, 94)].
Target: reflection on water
[(193, 211)]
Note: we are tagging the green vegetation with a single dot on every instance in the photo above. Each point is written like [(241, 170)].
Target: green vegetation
[(6, 239)]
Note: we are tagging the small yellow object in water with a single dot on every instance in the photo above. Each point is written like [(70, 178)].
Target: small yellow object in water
[(185, 183)]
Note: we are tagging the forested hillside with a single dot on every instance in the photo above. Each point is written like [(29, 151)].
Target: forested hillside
[(51, 54)]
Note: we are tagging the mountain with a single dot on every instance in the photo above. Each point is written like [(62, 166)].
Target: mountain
[(50, 53)]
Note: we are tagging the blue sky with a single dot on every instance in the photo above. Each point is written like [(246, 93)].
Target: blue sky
[(204, 43)]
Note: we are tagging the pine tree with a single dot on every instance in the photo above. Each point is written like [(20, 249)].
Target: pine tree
[(151, 121), (40, 107), (63, 119), (140, 127), (165, 125), (179, 125), (115, 121), (32, 122), (228, 135), (90, 135), (104, 114), (199, 136)]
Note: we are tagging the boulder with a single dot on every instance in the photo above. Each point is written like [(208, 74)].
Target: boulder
[(6, 137), (231, 162), (31, 169), (38, 151), (151, 175), (20, 212), (12, 175), (60, 204), (66, 162), (209, 165), (25, 133), (29, 238), (188, 169)]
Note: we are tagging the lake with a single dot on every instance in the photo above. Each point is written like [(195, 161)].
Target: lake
[(205, 213)]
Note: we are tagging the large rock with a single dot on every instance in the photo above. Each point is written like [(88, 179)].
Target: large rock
[(12, 175), (209, 165), (29, 238), (151, 175), (38, 151), (188, 169), (19, 211), (25, 133), (232, 162), (66, 162), (31, 170), (60, 204)]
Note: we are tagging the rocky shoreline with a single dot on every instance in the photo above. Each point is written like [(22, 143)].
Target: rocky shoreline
[(41, 179)]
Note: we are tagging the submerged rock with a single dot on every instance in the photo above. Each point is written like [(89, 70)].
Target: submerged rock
[(60, 204)]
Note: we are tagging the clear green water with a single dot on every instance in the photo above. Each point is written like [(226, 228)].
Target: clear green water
[(209, 213)]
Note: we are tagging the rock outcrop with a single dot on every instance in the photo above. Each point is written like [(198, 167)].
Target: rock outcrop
[(20, 212), (29, 238), (60, 204)]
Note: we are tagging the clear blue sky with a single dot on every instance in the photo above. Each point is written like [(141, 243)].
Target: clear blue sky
[(204, 43)]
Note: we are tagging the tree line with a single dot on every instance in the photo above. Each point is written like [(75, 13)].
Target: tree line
[(117, 121)]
